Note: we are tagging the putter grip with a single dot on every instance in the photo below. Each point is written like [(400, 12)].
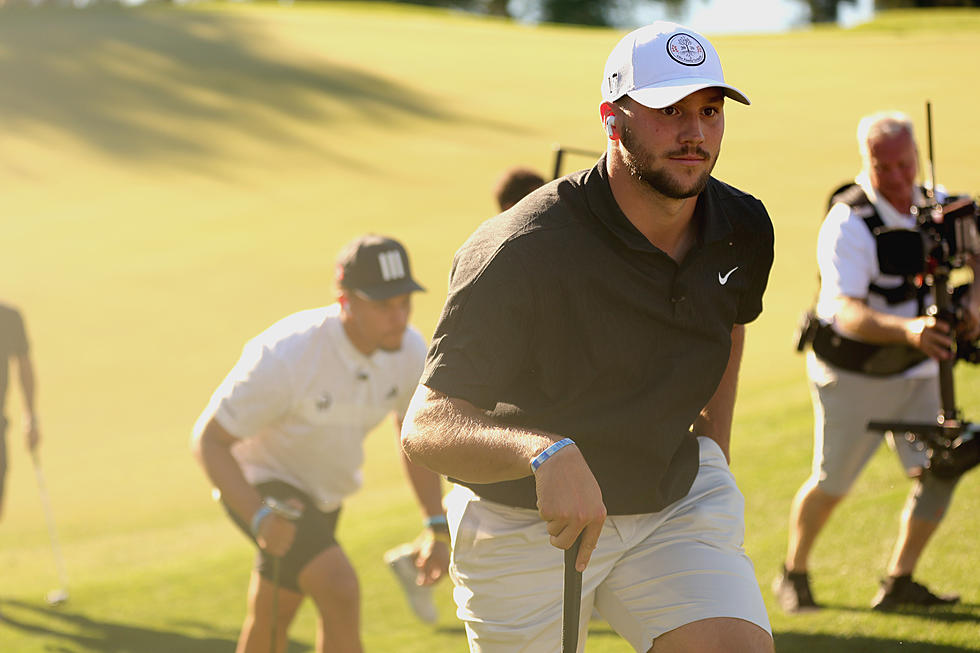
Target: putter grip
[(572, 600)]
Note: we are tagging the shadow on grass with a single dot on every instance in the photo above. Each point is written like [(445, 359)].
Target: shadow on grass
[(818, 643), (961, 612), (791, 642), (73, 631), (140, 83), (451, 630)]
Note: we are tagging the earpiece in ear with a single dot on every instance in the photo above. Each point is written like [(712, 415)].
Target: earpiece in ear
[(610, 126)]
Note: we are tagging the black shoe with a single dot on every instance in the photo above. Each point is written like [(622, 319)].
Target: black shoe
[(792, 590), (902, 590)]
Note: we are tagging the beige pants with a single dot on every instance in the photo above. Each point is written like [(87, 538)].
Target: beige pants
[(651, 573), (843, 404)]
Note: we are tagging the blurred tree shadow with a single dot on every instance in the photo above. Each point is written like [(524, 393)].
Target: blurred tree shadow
[(72, 631), (125, 80)]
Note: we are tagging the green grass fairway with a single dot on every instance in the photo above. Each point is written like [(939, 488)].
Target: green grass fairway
[(173, 180)]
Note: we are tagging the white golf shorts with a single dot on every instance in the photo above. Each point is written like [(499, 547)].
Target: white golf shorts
[(843, 404), (650, 573)]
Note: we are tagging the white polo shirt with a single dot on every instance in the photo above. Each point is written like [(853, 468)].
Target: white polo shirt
[(848, 260), (302, 399)]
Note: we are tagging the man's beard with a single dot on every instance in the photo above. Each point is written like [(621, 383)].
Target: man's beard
[(659, 179)]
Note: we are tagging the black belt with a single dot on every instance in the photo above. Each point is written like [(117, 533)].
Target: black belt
[(862, 357)]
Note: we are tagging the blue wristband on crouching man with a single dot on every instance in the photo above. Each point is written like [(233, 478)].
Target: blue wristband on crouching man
[(549, 452), (260, 514)]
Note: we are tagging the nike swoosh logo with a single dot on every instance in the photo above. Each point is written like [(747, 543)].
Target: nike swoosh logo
[(724, 279)]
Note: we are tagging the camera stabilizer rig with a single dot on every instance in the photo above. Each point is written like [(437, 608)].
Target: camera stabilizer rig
[(560, 152), (949, 239)]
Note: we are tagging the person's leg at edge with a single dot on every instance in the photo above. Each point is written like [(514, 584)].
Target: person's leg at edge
[(913, 535), (921, 516), (930, 495), (3, 460), (809, 513), (716, 635), (924, 510), (841, 448), (257, 628), (330, 580)]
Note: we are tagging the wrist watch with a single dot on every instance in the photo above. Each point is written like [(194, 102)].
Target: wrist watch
[(272, 505)]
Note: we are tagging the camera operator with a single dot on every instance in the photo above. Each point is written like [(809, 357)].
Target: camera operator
[(875, 353)]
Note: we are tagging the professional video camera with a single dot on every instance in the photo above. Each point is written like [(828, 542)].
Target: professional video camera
[(948, 238)]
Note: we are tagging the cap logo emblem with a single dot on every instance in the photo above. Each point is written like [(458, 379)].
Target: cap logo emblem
[(685, 50), (392, 266)]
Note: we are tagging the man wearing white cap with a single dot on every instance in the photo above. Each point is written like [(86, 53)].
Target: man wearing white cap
[(581, 380)]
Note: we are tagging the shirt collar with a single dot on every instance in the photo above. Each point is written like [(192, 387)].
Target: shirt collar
[(891, 216), (713, 223)]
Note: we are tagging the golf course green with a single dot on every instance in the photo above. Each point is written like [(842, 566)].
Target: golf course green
[(174, 179)]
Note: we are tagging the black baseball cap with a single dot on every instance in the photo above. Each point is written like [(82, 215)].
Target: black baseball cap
[(376, 267)]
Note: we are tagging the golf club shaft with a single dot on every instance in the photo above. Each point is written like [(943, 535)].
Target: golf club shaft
[(275, 604), (572, 601), (49, 518)]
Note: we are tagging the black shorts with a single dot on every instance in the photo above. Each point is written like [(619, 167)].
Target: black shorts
[(314, 533)]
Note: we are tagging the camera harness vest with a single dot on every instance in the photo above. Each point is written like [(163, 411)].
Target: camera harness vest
[(854, 355), (855, 197)]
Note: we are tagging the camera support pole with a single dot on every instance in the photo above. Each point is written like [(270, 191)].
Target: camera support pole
[(932, 160), (944, 434), (948, 433), (560, 152), (948, 414), (944, 307)]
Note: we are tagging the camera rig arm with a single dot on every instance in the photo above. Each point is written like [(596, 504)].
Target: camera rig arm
[(951, 234)]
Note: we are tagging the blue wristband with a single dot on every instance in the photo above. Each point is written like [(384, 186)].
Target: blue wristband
[(257, 518), (437, 520), (549, 452)]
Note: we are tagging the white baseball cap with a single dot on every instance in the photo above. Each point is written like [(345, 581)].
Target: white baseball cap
[(662, 63)]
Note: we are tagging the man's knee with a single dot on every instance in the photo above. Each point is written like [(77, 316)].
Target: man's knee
[(261, 601), (330, 580), (814, 498), (717, 635), (930, 497)]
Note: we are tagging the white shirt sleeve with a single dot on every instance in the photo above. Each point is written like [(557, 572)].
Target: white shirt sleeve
[(255, 393), (846, 255), (415, 350)]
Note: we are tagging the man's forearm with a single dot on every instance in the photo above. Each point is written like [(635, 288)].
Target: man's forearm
[(213, 450), (25, 371), (857, 318), (454, 438), (426, 484)]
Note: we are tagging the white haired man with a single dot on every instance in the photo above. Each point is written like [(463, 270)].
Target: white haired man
[(874, 357)]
